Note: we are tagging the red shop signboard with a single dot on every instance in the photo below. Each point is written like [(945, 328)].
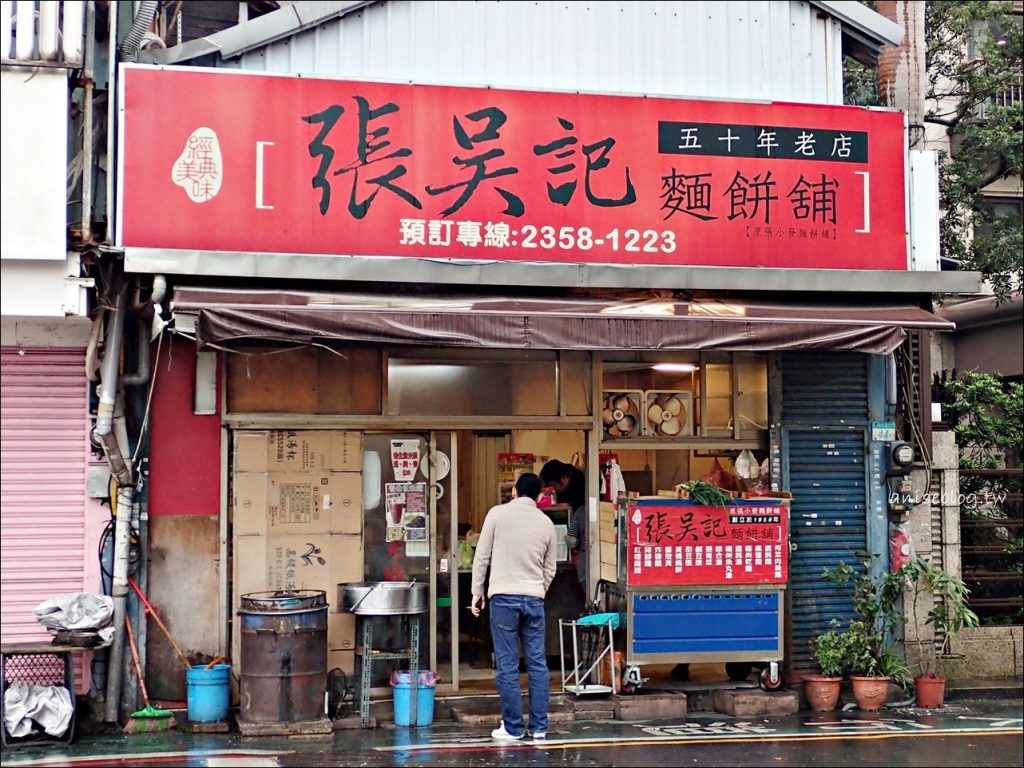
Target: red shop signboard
[(680, 543), (229, 161)]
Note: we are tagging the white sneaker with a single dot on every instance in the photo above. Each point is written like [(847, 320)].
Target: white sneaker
[(503, 735), (538, 735)]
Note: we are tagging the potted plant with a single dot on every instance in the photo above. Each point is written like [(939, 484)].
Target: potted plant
[(948, 616), (830, 651), (872, 657), (873, 664), (877, 601)]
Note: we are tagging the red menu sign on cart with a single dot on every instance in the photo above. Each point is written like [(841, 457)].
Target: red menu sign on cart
[(675, 543)]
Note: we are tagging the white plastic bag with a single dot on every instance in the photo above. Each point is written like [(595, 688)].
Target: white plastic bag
[(75, 610), (747, 467), (47, 705)]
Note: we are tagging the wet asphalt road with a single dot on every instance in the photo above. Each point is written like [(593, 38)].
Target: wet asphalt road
[(968, 733), (958, 750)]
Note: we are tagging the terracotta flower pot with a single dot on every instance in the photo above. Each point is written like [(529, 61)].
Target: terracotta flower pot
[(822, 692), (931, 690), (870, 692)]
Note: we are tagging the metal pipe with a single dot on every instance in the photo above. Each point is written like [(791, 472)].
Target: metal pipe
[(25, 34), (119, 591), (145, 313), (112, 11), (90, 350), (71, 30), (141, 374), (48, 23), (108, 394), (87, 117), (105, 417), (6, 29), (139, 516)]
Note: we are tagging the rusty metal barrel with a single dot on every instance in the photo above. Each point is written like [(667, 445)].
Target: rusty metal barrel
[(284, 656)]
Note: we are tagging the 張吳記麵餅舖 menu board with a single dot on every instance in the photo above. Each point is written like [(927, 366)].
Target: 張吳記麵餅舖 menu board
[(680, 543)]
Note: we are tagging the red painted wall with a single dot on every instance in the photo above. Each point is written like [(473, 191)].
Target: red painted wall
[(184, 465)]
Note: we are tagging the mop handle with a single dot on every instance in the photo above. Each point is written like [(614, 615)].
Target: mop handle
[(160, 622), (135, 658)]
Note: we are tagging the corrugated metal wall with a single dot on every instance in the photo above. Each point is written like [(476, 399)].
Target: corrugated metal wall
[(825, 414), (44, 433), (778, 50)]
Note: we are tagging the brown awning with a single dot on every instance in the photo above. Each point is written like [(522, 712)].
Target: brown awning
[(228, 317)]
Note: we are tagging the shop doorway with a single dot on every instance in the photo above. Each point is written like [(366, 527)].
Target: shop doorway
[(453, 483), (410, 514)]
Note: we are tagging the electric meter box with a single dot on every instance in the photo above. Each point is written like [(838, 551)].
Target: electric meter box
[(899, 459)]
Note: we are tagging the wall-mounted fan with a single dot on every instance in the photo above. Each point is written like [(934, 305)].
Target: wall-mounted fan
[(620, 413), (668, 413)]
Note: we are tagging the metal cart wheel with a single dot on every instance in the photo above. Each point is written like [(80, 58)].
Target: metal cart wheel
[(738, 670), (631, 679), (771, 677)]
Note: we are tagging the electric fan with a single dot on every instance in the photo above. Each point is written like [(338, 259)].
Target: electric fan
[(620, 413), (669, 413)]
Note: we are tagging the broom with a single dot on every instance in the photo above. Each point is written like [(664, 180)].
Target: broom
[(148, 718)]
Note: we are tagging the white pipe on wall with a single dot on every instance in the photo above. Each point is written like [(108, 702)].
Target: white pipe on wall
[(119, 591), (71, 30), (25, 37), (88, 156), (112, 105), (49, 20), (5, 29)]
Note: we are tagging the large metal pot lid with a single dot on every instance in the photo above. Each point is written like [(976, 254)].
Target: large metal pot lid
[(383, 584), (383, 598), (285, 600)]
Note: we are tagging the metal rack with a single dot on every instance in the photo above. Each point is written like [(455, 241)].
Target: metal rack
[(589, 680), (369, 655)]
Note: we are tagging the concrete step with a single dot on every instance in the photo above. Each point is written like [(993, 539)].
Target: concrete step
[(490, 715), (478, 708), (755, 703), (650, 705), (473, 705), (643, 705), (985, 688)]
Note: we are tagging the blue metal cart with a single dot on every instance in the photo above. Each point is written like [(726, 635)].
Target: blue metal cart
[(704, 585)]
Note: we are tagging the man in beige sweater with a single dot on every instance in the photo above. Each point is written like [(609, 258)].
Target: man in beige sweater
[(518, 543)]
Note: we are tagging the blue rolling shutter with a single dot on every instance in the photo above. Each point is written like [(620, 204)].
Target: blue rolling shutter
[(824, 439)]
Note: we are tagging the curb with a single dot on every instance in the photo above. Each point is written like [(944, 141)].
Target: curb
[(995, 693)]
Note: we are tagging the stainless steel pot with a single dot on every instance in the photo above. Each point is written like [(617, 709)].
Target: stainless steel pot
[(383, 598)]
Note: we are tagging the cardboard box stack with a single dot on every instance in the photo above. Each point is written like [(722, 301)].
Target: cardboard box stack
[(297, 516), (608, 541)]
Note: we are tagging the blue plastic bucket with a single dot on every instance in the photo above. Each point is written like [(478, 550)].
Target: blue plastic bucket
[(208, 693), (424, 697)]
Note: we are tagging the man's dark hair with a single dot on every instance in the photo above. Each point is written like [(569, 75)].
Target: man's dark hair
[(554, 470), (575, 493), (528, 486)]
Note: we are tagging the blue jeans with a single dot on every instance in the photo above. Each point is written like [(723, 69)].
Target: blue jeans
[(514, 617)]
